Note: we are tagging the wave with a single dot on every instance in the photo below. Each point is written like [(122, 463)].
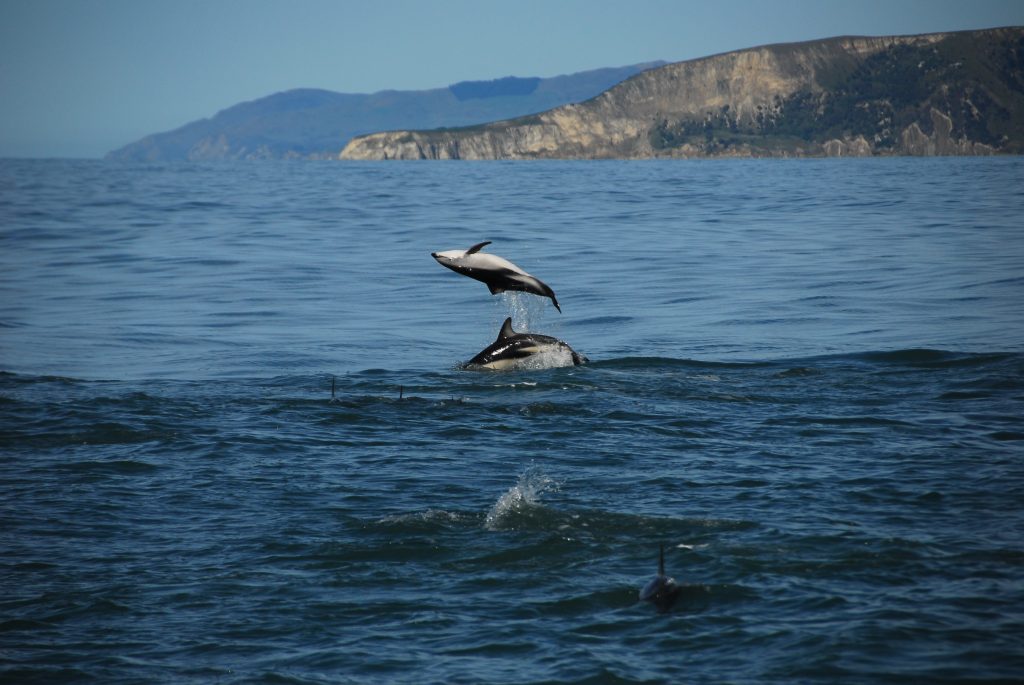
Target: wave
[(605, 320), (120, 467), (28, 379), (431, 520), (916, 357), (631, 363), (374, 384), (523, 508), (926, 357)]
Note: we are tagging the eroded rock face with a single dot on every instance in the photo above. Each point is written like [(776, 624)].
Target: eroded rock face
[(836, 97), (916, 142), (857, 147)]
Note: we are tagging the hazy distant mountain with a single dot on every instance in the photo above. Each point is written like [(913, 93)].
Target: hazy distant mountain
[(936, 94), (318, 123)]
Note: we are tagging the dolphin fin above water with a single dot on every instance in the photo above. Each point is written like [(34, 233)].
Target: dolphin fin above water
[(506, 330), (497, 273), (661, 591)]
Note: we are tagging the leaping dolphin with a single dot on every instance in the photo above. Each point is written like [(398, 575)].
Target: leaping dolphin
[(514, 350), (661, 591), (496, 273)]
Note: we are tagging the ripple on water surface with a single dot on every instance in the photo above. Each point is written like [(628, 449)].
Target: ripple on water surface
[(811, 398)]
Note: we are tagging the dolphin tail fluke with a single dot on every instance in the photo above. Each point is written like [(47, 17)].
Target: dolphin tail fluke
[(546, 290)]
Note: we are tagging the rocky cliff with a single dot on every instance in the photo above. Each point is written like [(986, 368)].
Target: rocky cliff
[(309, 123), (936, 94)]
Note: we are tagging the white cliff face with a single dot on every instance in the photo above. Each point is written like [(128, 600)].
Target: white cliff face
[(740, 89), (940, 142)]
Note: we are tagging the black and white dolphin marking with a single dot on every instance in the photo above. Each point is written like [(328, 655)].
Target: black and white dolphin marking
[(496, 273), (661, 591), (515, 350)]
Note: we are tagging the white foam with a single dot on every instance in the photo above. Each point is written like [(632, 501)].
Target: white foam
[(551, 357)]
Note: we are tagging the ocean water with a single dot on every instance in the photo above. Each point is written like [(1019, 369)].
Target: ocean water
[(237, 444)]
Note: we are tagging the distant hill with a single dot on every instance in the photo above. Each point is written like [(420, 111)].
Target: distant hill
[(310, 123), (937, 94)]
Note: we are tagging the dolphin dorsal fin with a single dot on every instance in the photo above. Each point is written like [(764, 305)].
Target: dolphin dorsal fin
[(479, 246), (661, 561), (506, 330)]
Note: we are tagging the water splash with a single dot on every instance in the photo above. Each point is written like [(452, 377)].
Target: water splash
[(527, 311), (521, 498)]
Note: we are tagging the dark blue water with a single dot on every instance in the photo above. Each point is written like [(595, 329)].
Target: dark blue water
[(807, 382)]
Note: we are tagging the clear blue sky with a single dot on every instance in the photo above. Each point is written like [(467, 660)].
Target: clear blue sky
[(81, 77)]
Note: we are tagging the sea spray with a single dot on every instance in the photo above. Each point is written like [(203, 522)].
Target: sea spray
[(527, 311), (521, 498)]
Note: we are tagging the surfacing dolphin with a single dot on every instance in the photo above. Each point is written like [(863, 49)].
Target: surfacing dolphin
[(661, 591), (496, 273), (516, 350)]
